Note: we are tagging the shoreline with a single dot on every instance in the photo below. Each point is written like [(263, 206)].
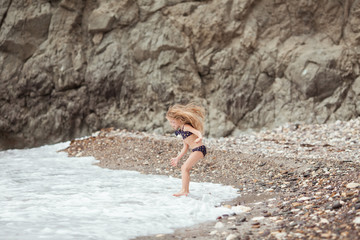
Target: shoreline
[(305, 171)]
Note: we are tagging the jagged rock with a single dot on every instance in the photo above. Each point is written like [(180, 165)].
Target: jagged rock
[(72, 67), (100, 21)]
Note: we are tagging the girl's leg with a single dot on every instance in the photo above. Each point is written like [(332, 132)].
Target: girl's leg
[(185, 172)]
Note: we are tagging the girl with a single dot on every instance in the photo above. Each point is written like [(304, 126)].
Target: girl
[(187, 120)]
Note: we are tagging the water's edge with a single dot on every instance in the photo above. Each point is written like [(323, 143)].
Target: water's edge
[(50, 195)]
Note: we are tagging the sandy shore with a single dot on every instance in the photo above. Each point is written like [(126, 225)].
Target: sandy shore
[(295, 182)]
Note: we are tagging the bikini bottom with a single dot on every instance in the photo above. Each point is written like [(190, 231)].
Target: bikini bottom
[(202, 149)]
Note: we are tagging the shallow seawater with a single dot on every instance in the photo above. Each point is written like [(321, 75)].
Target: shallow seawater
[(47, 195)]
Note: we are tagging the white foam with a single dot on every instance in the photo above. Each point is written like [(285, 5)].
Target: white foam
[(47, 195)]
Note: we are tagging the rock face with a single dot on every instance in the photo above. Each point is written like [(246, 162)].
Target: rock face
[(71, 67)]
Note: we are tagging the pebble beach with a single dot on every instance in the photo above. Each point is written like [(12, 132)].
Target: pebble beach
[(296, 181)]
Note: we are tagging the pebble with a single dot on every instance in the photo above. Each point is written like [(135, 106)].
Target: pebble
[(232, 237), (304, 199), (257, 218), (219, 225), (241, 220), (267, 215), (352, 185), (323, 220), (240, 209), (336, 205), (279, 235), (264, 233), (357, 220)]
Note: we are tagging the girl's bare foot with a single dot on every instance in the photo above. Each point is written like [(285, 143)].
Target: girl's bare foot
[(181, 193)]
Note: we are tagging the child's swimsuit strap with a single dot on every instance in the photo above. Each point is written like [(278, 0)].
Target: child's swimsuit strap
[(184, 134)]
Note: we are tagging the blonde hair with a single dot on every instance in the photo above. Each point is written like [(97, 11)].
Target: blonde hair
[(189, 114)]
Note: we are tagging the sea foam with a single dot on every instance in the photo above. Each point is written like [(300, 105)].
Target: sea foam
[(47, 195)]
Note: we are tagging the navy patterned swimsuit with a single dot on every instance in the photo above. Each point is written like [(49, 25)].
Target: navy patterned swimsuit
[(202, 149), (185, 134)]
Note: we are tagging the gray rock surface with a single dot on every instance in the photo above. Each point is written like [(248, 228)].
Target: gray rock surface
[(69, 68)]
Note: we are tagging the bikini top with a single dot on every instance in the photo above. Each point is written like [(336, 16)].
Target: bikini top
[(183, 133)]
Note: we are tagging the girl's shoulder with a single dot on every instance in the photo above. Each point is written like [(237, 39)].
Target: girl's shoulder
[(187, 127)]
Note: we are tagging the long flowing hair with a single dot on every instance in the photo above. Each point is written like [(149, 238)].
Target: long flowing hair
[(189, 114)]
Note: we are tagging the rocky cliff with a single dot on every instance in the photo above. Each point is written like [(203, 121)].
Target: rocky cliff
[(71, 67)]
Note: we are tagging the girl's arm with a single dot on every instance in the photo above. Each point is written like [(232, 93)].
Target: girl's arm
[(175, 160), (194, 131)]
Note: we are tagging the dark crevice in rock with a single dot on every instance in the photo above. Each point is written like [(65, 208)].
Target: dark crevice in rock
[(342, 97), (5, 14)]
